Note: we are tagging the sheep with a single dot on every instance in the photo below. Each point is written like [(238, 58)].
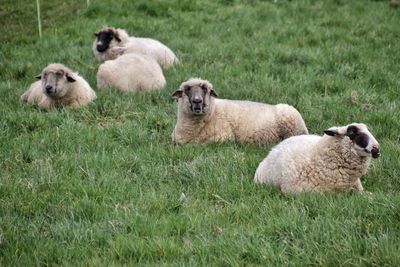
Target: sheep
[(203, 118), (131, 72), (109, 37), (312, 163), (59, 86)]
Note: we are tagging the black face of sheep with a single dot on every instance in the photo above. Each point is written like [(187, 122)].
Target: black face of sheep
[(104, 38), (197, 96), (363, 141)]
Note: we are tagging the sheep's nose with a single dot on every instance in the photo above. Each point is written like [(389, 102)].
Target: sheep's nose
[(375, 151), (100, 47), (48, 88), (197, 100)]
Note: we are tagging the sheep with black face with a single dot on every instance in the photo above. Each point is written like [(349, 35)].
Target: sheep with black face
[(59, 86), (110, 43), (202, 117), (333, 162)]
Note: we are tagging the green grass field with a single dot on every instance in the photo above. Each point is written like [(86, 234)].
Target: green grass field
[(102, 185)]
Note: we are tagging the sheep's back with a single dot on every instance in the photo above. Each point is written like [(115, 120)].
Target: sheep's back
[(131, 72), (284, 162), (259, 122), (151, 47)]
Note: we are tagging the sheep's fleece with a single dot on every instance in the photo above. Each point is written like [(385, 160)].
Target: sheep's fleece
[(333, 162), (59, 86), (203, 118), (108, 38), (131, 72)]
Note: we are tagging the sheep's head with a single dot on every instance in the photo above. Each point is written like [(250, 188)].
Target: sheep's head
[(363, 142), (196, 96), (56, 80), (104, 37)]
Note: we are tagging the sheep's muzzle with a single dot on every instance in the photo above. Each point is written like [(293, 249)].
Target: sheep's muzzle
[(375, 151), (197, 107), (101, 47)]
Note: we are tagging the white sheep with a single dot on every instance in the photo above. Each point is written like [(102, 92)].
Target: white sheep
[(333, 162), (59, 86), (109, 37), (131, 72), (202, 117)]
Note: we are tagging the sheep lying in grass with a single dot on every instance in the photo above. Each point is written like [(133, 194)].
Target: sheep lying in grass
[(109, 37), (59, 86), (333, 162), (131, 72), (202, 117)]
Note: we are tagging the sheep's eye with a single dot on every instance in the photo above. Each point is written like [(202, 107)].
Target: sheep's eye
[(45, 75), (59, 73), (186, 90)]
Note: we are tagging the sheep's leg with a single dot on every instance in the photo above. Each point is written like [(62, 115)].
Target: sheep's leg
[(25, 96), (358, 186), (75, 104), (46, 103)]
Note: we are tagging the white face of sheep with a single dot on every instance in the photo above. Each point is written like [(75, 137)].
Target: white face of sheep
[(362, 141), (55, 81), (195, 97)]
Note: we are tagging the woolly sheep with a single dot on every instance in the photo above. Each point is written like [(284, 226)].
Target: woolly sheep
[(59, 86), (333, 162), (131, 72), (109, 37), (202, 117)]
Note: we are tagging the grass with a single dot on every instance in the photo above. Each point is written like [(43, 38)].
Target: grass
[(103, 185)]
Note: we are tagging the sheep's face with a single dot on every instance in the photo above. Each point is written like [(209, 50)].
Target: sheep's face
[(362, 141), (195, 96), (56, 81), (104, 39)]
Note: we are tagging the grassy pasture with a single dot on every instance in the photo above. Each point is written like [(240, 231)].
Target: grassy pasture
[(102, 185)]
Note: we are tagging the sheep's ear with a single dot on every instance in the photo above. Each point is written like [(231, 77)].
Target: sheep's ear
[(352, 132), (38, 76), (331, 131), (177, 94), (96, 34), (116, 36), (213, 93), (69, 78)]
